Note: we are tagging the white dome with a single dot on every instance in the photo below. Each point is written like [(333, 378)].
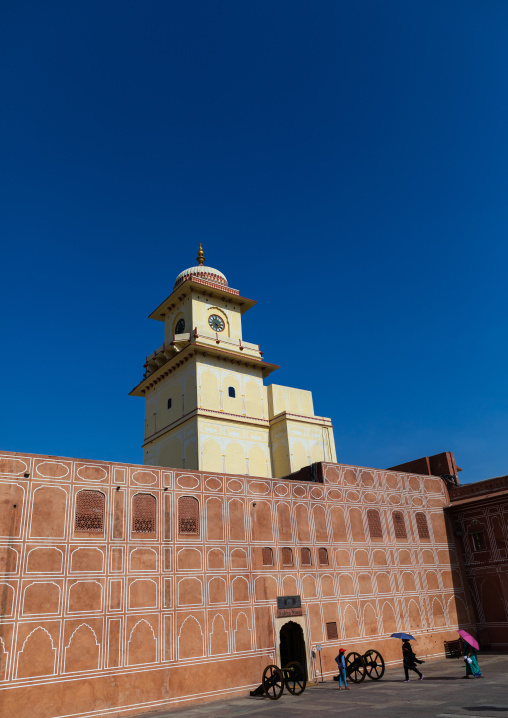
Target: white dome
[(209, 274)]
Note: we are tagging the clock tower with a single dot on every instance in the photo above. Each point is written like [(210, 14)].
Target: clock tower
[(206, 405)]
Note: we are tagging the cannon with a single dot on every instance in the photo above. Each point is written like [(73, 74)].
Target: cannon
[(292, 677), (371, 664), (374, 665)]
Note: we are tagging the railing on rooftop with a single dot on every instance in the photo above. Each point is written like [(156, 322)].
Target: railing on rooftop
[(478, 488)]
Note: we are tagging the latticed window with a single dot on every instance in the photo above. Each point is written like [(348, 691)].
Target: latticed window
[(422, 526), (398, 525), (323, 556), (478, 540), (331, 631), (90, 511), (144, 511), (188, 515), (306, 557), (267, 556), (374, 521), (287, 557)]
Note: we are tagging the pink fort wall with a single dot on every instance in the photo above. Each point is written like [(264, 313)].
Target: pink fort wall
[(110, 622)]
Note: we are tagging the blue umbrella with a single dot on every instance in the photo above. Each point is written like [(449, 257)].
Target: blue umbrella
[(404, 636)]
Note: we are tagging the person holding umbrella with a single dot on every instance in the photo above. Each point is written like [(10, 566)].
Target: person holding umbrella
[(408, 656), (470, 648)]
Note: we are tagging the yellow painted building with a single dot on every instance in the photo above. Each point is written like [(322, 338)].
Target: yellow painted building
[(206, 405)]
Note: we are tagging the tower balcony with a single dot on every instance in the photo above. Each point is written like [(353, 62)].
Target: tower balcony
[(213, 339)]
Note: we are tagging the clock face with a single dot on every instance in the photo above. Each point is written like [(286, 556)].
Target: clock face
[(216, 322), (180, 326)]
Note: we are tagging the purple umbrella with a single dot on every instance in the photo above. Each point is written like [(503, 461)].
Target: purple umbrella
[(467, 637)]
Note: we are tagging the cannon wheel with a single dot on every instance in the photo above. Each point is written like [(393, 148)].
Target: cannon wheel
[(294, 678), (355, 667), (374, 664), (273, 682)]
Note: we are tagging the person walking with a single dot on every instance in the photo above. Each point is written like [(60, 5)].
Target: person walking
[(341, 662), (410, 661), (470, 657)]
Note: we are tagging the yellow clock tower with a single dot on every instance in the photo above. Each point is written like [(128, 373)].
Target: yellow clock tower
[(206, 406)]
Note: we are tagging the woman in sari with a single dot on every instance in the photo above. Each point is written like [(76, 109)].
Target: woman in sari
[(470, 657)]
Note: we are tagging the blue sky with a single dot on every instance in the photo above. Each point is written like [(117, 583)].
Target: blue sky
[(344, 163)]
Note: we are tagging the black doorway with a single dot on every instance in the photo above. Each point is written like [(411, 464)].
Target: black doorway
[(292, 645)]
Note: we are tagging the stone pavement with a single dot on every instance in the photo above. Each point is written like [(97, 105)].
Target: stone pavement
[(442, 694)]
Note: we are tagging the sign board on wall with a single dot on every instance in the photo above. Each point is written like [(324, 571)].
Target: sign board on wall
[(284, 602), (283, 612), (289, 606)]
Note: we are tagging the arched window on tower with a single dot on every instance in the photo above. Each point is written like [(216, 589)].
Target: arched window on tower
[(422, 526), (306, 557), (188, 515), (287, 556), (232, 392), (399, 526), (90, 511), (144, 513), (374, 522), (267, 556), (323, 557)]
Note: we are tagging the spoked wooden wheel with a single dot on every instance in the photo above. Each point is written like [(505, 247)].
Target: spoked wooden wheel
[(374, 664), (355, 667), (273, 682), (294, 678)]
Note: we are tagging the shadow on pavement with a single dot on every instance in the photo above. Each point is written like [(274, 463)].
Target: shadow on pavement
[(425, 679), (485, 708)]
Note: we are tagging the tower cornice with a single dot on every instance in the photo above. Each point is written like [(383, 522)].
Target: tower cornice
[(196, 348), (191, 286)]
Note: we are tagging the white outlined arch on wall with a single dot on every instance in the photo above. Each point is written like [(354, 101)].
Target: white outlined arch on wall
[(190, 591), (51, 555), (87, 555), (143, 593), (4, 661), (240, 590), (53, 499), (216, 559), (45, 653), (190, 637), (8, 599), (142, 644), (217, 590), (242, 633), (82, 653), (40, 596), (219, 636)]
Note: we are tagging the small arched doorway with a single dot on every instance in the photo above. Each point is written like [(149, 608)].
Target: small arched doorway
[(292, 645)]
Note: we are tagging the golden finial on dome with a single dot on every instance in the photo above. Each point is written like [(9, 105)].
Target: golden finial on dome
[(201, 257)]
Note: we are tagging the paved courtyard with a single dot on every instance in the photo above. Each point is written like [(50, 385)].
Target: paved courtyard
[(442, 694)]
